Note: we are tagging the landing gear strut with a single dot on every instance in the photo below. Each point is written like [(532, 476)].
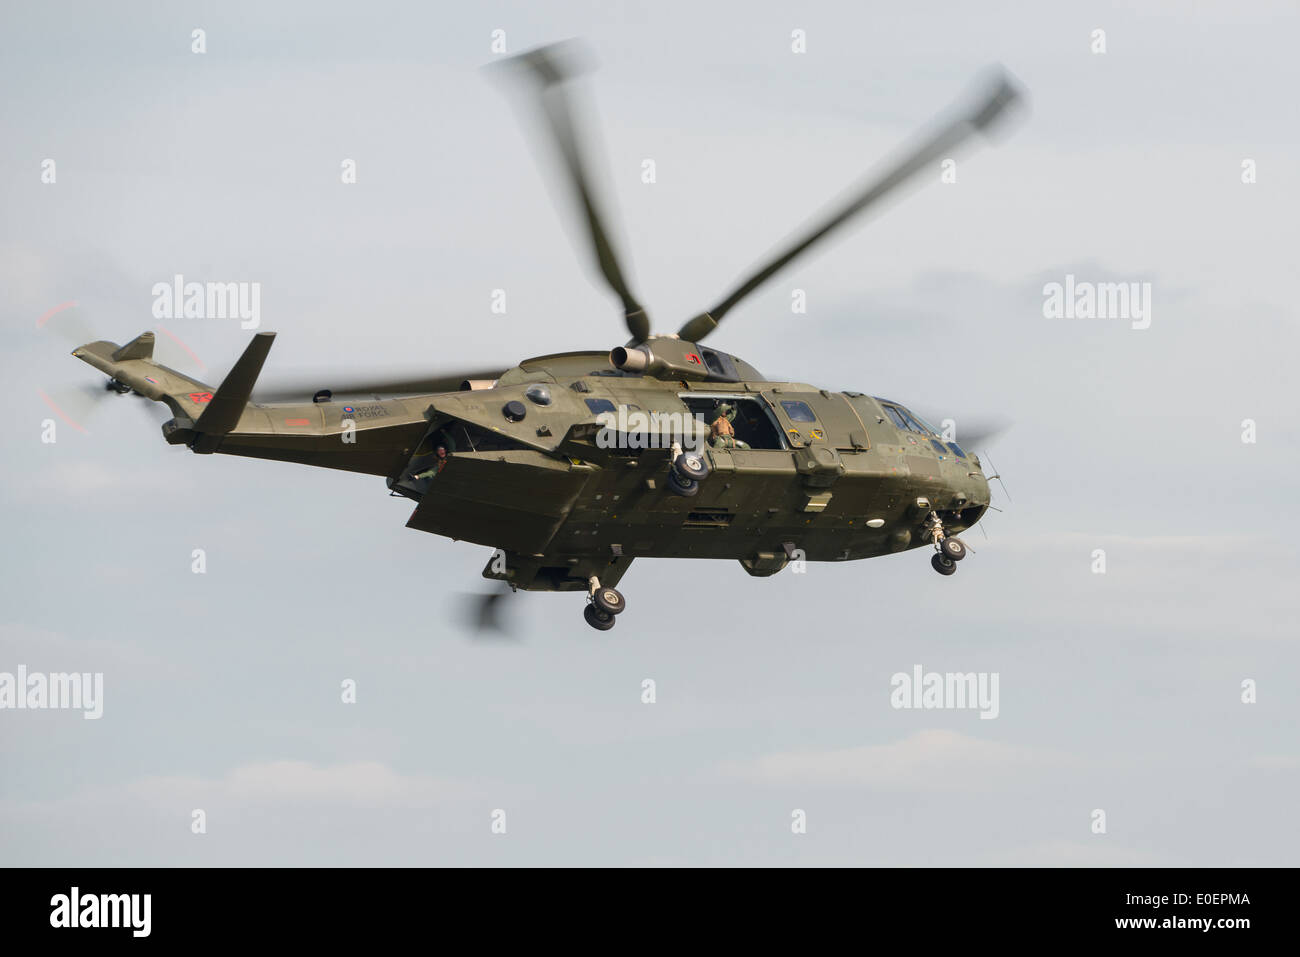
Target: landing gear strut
[(602, 605), (947, 551)]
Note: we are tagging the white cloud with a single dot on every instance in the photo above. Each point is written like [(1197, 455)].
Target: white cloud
[(1275, 762), (361, 784), (934, 760)]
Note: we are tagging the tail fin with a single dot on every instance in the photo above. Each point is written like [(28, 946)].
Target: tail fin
[(227, 405)]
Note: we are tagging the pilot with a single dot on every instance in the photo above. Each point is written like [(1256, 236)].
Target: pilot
[(446, 445), (722, 434)]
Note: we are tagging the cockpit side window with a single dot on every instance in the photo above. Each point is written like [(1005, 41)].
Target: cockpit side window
[(908, 422), (913, 424), (929, 429), (895, 416)]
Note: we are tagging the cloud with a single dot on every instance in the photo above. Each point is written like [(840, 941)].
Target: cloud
[(61, 481), (931, 760), (41, 649), (1224, 543), (1275, 762), (269, 813), (360, 784)]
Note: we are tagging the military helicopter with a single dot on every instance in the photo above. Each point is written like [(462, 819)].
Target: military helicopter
[(573, 465)]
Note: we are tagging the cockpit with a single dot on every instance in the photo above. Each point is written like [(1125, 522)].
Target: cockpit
[(907, 421)]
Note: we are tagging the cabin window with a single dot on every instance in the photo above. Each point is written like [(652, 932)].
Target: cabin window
[(597, 406), (798, 411)]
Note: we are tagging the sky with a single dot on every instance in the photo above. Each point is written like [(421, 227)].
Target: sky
[(1160, 691)]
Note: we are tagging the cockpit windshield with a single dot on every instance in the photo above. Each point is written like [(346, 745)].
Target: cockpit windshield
[(929, 429), (906, 420)]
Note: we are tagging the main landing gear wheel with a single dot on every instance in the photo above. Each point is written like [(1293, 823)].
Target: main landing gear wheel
[(600, 620), (609, 600), (953, 548), (684, 487), (943, 564), (691, 467)]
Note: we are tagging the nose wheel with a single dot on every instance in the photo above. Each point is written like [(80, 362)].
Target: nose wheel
[(602, 605), (948, 551), (943, 564), (600, 620), (953, 548)]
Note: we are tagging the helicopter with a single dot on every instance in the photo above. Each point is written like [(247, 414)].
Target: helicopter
[(572, 465)]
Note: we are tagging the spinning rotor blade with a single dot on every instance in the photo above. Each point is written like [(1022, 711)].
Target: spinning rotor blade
[(972, 432), (66, 323), (546, 69), (77, 405), (303, 390), (1000, 94), (481, 616), (981, 433)]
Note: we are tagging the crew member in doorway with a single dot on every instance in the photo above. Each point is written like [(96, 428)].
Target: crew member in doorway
[(722, 434), (446, 445)]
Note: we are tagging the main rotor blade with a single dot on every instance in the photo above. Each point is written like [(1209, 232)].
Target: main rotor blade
[(1000, 94), (483, 618), (546, 68), (980, 434), (970, 431), (303, 389)]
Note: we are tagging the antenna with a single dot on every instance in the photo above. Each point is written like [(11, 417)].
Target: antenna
[(998, 477)]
